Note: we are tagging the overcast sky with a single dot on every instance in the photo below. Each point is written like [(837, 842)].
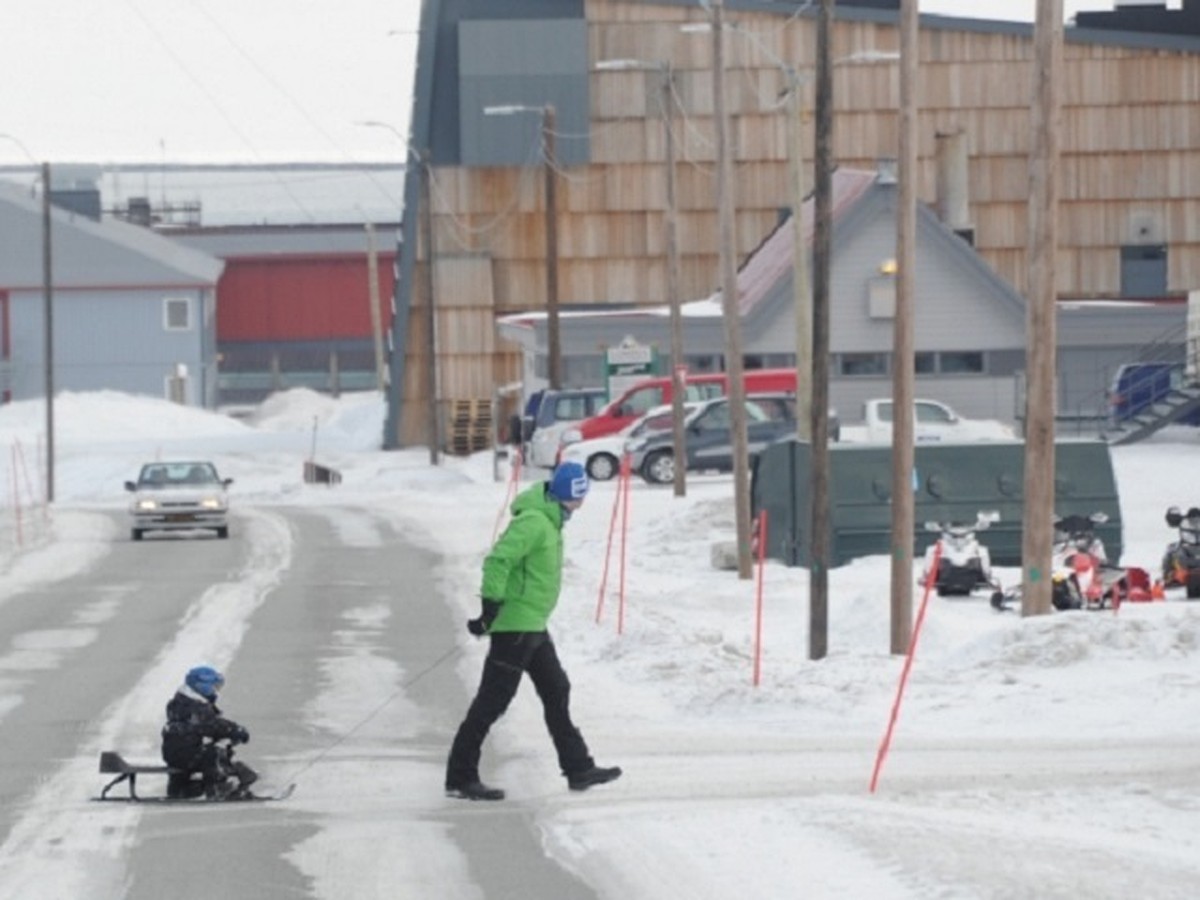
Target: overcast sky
[(234, 81)]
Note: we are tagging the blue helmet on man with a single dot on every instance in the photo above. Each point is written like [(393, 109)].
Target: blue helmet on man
[(569, 482), (205, 681)]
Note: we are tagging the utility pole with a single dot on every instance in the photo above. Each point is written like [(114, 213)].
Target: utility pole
[(1041, 324), (373, 300), (729, 298), (801, 283), (553, 335), (48, 317), (818, 572), (678, 367), (431, 366), (903, 332)]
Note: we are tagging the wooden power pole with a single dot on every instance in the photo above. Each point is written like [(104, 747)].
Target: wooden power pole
[(376, 311), (431, 366), (1041, 331), (729, 303), (903, 338), (818, 561), (48, 329), (553, 335), (678, 367)]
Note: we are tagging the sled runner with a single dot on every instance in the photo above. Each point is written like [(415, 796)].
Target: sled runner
[(113, 763)]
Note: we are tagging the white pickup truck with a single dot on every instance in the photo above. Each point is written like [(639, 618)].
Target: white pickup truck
[(935, 422)]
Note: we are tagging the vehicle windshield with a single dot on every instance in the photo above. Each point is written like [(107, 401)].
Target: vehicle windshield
[(167, 475)]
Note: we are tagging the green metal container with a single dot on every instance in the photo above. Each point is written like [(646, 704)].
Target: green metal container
[(952, 482)]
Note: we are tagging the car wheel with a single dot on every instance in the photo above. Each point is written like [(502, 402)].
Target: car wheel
[(223, 532), (602, 466), (136, 534), (659, 467)]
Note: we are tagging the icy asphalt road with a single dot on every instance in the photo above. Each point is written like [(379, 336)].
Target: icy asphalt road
[(316, 616)]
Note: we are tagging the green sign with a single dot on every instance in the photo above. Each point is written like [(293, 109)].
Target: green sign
[(627, 364)]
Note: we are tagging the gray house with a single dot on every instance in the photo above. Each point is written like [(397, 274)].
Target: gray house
[(132, 311), (970, 323)]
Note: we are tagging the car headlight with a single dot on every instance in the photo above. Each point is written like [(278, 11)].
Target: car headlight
[(634, 445), (146, 505), (571, 436), (212, 503)]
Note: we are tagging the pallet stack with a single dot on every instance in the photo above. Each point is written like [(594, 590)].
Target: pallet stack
[(471, 426)]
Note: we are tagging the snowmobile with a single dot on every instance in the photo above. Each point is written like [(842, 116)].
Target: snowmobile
[(1181, 562), (1081, 575), (965, 563)]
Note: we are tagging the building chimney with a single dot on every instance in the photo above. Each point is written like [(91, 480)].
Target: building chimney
[(138, 211), (953, 196), (77, 189)]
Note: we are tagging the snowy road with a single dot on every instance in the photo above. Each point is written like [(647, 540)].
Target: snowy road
[(315, 617), (1048, 758)]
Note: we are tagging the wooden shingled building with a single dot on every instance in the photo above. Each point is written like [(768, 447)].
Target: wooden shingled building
[(1130, 206)]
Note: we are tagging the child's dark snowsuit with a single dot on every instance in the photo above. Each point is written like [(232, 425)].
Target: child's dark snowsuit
[(194, 724)]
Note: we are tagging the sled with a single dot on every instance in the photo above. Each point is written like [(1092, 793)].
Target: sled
[(113, 763)]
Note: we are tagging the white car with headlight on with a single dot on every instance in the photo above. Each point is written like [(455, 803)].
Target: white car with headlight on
[(179, 496)]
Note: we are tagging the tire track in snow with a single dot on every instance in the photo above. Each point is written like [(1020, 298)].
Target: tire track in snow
[(64, 846)]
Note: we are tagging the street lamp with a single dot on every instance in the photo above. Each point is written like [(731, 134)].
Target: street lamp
[(426, 213), (678, 368), (553, 334)]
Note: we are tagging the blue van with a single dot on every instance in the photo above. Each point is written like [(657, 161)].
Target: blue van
[(1136, 386)]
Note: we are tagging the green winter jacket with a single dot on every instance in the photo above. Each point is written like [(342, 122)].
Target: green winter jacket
[(524, 570)]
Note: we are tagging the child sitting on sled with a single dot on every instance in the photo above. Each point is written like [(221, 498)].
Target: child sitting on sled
[(191, 742)]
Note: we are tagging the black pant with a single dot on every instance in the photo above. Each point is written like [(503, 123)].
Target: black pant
[(214, 764), (510, 655)]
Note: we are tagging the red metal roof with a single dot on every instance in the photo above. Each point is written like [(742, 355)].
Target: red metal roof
[(773, 259)]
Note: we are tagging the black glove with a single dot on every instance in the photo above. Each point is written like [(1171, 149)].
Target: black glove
[(480, 626), (241, 736)]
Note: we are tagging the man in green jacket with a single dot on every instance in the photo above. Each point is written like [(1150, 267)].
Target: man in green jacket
[(522, 577)]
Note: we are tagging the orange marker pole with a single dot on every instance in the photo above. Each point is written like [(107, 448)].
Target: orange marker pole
[(758, 601), (509, 493), (624, 539), (622, 474), (930, 581), (16, 495)]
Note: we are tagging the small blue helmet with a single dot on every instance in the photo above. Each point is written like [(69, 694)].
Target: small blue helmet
[(205, 681), (569, 482)]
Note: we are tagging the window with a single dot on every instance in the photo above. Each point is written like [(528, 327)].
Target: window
[(931, 413), (949, 362), (177, 314), (571, 409), (1143, 270), (704, 390), (642, 401), (699, 364), (715, 419), (961, 363), (852, 364), (770, 409)]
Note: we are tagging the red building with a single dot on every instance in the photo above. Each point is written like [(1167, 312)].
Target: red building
[(295, 305)]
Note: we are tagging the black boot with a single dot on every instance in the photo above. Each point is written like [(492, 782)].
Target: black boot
[(474, 790), (581, 781)]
